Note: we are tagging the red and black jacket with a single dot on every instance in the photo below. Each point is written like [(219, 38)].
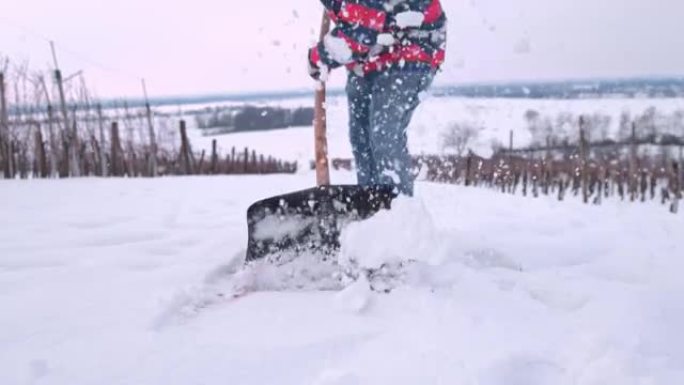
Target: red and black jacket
[(375, 35)]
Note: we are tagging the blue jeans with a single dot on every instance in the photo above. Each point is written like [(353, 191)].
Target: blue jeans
[(381, 106)]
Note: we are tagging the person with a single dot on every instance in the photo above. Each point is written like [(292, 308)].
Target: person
[(392, 50)]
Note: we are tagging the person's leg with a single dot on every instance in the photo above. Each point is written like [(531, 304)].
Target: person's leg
[(359, 99), (395, 96)]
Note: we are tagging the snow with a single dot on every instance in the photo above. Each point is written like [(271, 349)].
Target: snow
[(357, 297), (409, 19), (279, 228), (386, 39), (386, 240), (139, 281), (338, 49)]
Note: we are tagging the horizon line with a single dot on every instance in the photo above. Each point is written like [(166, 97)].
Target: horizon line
[(296, 92)]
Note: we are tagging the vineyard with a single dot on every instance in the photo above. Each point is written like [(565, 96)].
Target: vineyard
[(594, 171), (57, 131), (637, 169)]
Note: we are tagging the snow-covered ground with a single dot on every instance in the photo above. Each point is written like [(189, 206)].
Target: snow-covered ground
[(114, 282), (496, 117)]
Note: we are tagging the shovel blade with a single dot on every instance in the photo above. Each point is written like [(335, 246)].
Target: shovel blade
[(311, 220)]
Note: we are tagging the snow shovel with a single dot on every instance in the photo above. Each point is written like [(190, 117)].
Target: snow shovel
[(311, 220)]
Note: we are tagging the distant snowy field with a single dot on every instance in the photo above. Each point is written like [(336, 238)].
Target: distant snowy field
[(97, 278), (497, 117)]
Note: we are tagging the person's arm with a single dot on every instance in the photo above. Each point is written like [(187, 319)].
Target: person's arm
[(357, 27), (361, 25), (424, 22)]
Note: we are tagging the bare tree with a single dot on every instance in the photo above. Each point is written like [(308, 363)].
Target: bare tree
[(646, 123), (625, 128), (565, 127), (597, 126), (675, 123), (540, 127), (496, 145), (458, 136)]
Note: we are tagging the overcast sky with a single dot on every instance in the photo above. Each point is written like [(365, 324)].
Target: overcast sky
[(217, 46)]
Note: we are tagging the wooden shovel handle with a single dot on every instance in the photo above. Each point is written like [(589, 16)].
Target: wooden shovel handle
[(320, 124)]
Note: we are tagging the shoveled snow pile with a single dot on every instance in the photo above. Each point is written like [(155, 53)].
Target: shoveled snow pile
[(142, 282)]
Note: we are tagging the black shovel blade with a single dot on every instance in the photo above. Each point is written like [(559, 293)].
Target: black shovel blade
[(311, 220)]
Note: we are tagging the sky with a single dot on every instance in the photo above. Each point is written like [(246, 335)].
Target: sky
[(218, 46)]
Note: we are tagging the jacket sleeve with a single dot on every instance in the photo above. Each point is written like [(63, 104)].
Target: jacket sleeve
[(425, 16), (358, 25), (362, 26)]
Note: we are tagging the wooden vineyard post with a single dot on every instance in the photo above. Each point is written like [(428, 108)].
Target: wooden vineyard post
[(133, 169), (5, 138), (469, 167), (103, 155), (546, 172), (535, 179), (214, 157), (54, 146), (632, 182), (200, 166), (253, 162), (608, 182), (226, 167), (116, 157), (63, 159), (41, 158), (621, 184), (643, 185), (562, 185), (583, 163), (11, 151), (186, 155), (153, 138), (71, 133), (232, 169), (676, 187), (526, 176), (95, 156), (511, 169), (21, 163)]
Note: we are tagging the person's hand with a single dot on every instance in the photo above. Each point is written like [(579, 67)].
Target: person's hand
[(316, 71)]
